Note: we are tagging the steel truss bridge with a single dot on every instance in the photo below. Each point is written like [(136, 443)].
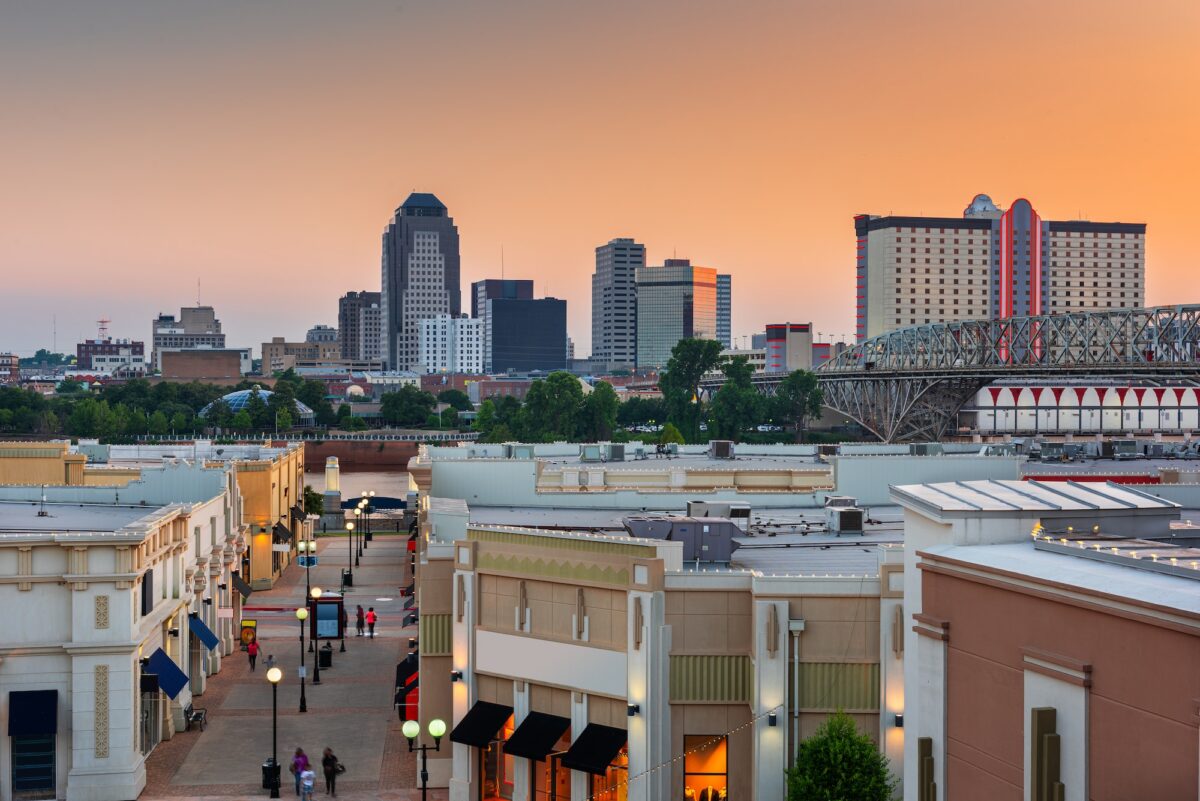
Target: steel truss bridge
[(908, 384)]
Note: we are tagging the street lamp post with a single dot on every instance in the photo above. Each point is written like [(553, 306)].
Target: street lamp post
[(437, 730), (350, 551), (363, 505), (302, 615), (274, 675), (315, 595)]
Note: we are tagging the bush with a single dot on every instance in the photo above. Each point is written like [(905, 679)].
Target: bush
[(840, 764)]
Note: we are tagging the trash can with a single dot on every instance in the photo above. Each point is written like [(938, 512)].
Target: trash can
[(347, 577), (325, 656), (369, 537), (270, 774)]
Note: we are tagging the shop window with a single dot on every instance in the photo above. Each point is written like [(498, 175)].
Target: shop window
[(705, 768), (33, 766), (613, 785), (498, 766)]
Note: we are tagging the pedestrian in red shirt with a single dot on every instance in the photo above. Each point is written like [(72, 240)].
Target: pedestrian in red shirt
[(252, 652), (371, 618)]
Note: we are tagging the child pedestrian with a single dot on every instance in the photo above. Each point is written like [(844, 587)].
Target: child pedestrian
[(307, 780), (371, 618), (358, 621), (252, 652), (330, 765), (298, 766)]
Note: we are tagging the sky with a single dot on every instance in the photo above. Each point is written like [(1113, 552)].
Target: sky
[(258, 148)]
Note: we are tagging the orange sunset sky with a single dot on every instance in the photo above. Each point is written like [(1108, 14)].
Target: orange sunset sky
[(262, 145)]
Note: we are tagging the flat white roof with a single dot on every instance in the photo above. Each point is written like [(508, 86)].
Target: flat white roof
[(1036, 496), (1111, 579)]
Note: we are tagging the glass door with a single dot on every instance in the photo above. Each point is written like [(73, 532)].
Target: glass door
[(33, 767)]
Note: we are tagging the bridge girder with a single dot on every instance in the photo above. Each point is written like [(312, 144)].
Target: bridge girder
[(901, 408)]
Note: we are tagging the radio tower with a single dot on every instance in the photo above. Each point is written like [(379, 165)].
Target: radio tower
[(103, 326)]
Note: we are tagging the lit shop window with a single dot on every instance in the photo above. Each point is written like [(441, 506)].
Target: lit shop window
[(705, 768)]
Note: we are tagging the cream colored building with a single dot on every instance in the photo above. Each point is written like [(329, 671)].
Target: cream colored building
[(115, 612)]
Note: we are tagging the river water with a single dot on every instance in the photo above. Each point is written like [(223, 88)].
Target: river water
[(391, 484)]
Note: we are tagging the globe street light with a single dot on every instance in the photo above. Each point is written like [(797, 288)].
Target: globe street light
[(350, 552), (302, 615), (437, 730), (274, 675), (315, 593), (352, 526)]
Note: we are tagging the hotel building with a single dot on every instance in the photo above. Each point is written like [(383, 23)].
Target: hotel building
[(992, 264)]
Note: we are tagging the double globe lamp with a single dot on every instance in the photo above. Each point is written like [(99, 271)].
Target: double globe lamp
[(274, 675), (412, 730)]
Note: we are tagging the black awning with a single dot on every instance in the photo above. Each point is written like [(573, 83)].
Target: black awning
[(536, 736), (481, 723), (282, 533), (595, 749), (240, 584), (32, 712), (298, 512)]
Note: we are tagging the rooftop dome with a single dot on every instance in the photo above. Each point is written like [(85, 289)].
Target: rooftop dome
[(980, 206), (236, 401)]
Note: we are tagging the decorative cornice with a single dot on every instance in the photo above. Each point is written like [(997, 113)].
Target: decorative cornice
[(1057, 666), (933, 627)]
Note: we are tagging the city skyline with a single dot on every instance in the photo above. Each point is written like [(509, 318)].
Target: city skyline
[(126, 192)]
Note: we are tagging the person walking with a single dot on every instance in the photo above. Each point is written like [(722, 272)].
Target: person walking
[(358, 621), (308, 780), (298, 766), (252, 652), (330, 765), (371, 618)]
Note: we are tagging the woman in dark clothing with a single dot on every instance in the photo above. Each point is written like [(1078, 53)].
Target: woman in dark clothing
[(329, 763), (360, 621)]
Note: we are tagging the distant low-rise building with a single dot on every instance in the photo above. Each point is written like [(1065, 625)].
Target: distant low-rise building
[(360, 320), (451, 344), (108, 356), (10, 368), (204, 364), (321, 333), (196, 327), (279, 354)]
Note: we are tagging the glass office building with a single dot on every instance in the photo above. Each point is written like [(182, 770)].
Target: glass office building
[(675, 301)]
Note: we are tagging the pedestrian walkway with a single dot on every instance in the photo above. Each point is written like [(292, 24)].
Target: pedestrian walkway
[(350, 710)]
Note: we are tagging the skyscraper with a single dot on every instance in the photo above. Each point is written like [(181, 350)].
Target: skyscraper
[(358, 325), (992, 264), (524, 335), (614, 302), (675, 301), (420, 275), (489, 288), (725, 309)]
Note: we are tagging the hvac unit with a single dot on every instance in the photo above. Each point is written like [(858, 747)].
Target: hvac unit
[(520, 451), (589, 453), (616, 451), (721, 449), (842, 515)]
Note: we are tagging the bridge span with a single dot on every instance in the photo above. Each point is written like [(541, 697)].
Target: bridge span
[(909, 384)]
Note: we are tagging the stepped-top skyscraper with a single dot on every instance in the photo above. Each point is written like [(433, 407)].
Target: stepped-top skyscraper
[(420, 278), (614, 302)]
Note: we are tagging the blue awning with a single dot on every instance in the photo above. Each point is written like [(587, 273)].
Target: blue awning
[(201, 630), (32, 712), (170, 678)]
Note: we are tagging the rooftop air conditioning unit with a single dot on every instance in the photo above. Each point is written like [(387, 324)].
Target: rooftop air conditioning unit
[(589, 453), (616, 452), (844, 519), (521, 452), (721, 449)]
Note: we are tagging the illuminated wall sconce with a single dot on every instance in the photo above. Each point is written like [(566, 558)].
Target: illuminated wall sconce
[(173, 632), (208, 601), (632, 709), (899, 720), (412, 642), (772, 719), (455, 675)]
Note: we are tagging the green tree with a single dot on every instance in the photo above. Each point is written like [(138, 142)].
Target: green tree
[(798, 400), (219, 414), (314, 503), (408, 406), (456, 398), (92, 418), (690, 360), (283, 420), (449, 418), (670, 435), (159, 424), (180, 422), (256, 407), (639, 411), (737, 404), (353, 424), (599, 415), (552, 405), (840, 764), (485, 419), (69, 386), (241, 422)]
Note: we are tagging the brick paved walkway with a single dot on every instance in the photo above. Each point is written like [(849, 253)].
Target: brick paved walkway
[(350, 711)]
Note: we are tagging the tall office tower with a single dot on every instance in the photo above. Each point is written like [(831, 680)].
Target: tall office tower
[(490, 288), (451, 345), (725, 309), (196, 327), (614, 302), (358, 325), (675, 301), (992, 264), (524, 335), (420, 279)]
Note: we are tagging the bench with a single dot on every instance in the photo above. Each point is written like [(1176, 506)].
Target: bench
[(195, 715)]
